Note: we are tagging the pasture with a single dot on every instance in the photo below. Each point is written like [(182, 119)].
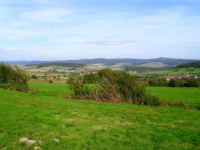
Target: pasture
[(86, 124)]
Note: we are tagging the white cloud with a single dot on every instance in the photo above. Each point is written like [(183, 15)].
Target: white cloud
[(50, 15)]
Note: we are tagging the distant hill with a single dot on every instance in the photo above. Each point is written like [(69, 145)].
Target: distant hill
[(170, 62), (74, 65), (187, 65)]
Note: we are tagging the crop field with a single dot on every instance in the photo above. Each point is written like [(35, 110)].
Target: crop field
[(86, 124)]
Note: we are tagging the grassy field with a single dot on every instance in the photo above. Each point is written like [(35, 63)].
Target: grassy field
[(165, 72), (189, 95), (154, 64), (91, 125)]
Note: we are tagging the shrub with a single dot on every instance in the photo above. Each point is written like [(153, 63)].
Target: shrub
[(34, 77), (76, 83), (114, 87), (153, 82), (91, 78), (192, 82), (50, 81), (13, 78), (162, 82), (172, 83), (32, 90)]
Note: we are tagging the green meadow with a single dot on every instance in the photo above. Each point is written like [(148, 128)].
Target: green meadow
[(80, 124), (165, 72), (189, 95)]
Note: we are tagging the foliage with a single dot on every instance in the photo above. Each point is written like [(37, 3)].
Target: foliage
[(153, 82), (34, 77), (172, 83), (114, 87), (187, 65), (13, 78), (76, 83), (162, 82), (192, 82), (108, 74), (91, 78)]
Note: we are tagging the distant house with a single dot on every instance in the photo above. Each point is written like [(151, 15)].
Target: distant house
[(168, 78)]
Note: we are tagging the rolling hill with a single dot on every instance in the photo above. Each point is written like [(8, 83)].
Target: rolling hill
[(169, 62)]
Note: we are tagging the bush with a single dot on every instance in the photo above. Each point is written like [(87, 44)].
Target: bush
[(91, 78), (50, 81), (172, 83), (13, 78), (32, 90), (114, 87), (153, 82), (192, 82), (34, 77), (162, 82)]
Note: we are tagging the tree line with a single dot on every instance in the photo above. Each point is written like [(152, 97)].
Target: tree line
[(64, 64), (191, 82), (188, 65)]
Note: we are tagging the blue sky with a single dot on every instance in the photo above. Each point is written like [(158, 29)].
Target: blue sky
[(66, 29)]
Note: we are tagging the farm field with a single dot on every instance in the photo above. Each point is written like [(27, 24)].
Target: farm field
[(91, 125), (165, 72)]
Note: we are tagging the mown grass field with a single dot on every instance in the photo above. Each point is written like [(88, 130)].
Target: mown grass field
[(91, 125), (189, 95)]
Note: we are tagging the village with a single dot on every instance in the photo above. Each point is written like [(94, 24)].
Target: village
[(187, 76)]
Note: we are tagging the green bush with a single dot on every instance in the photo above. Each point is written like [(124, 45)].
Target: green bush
[(114, 87), (34, 77), (13, 78), (192, 82), (153, 82), (91, 78)]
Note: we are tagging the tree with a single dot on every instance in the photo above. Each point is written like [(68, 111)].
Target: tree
[(192, 82), (153, 82), (172, 83), (162, 82)]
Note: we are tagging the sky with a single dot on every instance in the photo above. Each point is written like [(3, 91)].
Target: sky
[(80, 29)]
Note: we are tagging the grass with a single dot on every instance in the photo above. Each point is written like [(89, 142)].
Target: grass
[(91, 125), (163, 73), (154, 64), (189, 95)]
